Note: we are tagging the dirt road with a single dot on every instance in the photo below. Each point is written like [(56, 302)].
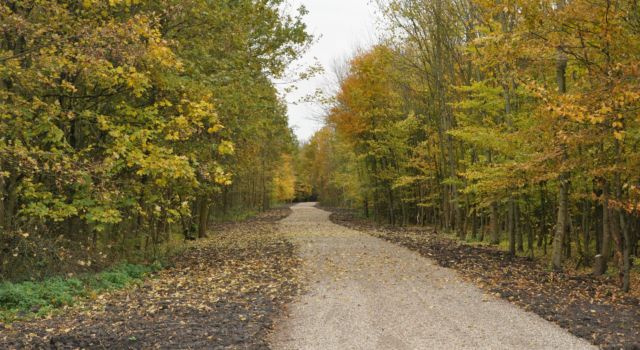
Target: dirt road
[(365, 293)]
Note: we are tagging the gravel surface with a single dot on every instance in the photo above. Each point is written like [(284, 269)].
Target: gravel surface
[(365, 293)]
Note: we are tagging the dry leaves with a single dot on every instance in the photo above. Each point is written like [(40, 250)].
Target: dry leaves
[(222, 293)]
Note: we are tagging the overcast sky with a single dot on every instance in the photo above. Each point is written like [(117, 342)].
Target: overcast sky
[(341, 26)]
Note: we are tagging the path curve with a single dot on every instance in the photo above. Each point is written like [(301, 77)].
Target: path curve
[(365, 293)]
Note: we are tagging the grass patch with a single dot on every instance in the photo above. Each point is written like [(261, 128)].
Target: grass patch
[(34, 299)]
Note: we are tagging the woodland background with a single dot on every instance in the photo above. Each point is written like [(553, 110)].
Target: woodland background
[(128, 126), (508, 122)]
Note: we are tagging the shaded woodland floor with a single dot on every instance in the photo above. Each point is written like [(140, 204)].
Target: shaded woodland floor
[(591, 308), (222, 293)]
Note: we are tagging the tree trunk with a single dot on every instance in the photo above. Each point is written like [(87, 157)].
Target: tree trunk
[(482, 227), (563, 198), (586, 229), (516, 218), (626, 256), (3, 196), (366, 207), (203, 218), (561, 223), (495, 234), (543, 217), (11, 202), (511, 226), (474, 223), (601, 260)]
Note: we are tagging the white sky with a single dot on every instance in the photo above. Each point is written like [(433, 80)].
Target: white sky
[(340, 27)]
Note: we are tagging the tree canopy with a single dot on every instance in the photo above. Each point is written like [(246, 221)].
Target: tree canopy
[(518, 119)]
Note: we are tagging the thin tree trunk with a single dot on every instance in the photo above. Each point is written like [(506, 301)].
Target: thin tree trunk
[(511, 226), (626, 256), (601, 260), (474, 222), (203, 218), (563, 197), (543, 217), (495, 234), (561, 224), (518, 230), (3, 196)]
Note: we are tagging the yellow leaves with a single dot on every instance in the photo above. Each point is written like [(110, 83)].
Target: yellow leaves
[(181, 128), (221, 177), (619, 135), (194, 115), (605, 109), (138, 82), (284, 180), (226, 148), (215, 128), (596, 118), (87, 4), (164, 103), (162, 55), (69, 87)]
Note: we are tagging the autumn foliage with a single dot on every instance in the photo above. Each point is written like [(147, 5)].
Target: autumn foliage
[(128, 125), (497, 121)]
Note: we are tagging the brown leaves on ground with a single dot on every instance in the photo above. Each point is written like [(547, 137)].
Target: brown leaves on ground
[(221, 293), (589, 307)]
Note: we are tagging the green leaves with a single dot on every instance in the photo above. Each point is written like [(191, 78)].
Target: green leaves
[(109, 110)]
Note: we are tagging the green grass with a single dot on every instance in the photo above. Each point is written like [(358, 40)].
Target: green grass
[(29, 299)]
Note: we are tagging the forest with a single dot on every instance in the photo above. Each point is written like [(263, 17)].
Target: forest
[(514, 123), (473, 180), (127, 126)]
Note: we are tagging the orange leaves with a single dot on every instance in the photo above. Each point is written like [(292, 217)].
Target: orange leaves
[(366, 97)]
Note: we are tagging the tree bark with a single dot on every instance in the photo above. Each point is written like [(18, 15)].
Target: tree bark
[(601, 260), (511, 226), (561, 224), (543, 217), (495, 234), (563, 197), (3, 196), (518, 230), (626, 256), (203, 218)]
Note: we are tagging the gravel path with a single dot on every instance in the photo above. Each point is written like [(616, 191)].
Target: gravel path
[(365, 293)]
